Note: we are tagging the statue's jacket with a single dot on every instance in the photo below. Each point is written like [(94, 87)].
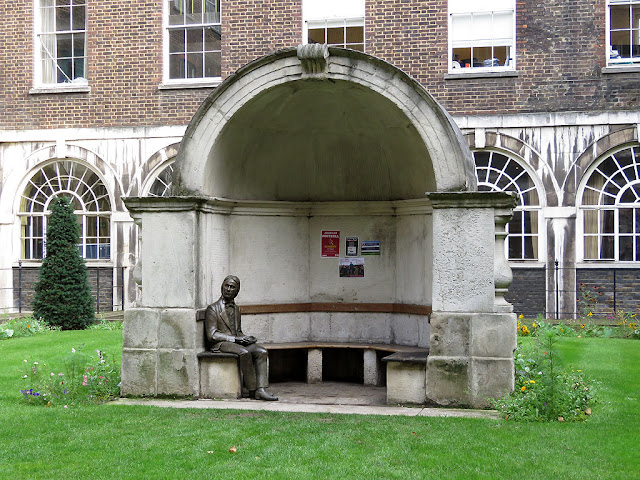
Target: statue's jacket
[(217, 321)]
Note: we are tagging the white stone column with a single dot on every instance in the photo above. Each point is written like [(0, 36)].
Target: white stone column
[(472, 335), (314, 365)]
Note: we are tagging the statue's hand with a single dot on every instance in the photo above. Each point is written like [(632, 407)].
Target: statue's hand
[(251, 339), (245, 340)]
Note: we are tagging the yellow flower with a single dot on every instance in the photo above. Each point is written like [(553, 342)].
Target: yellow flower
[(532, 381), (534, 325), (582, 326), (523, 388), (521, 316), (589, 314)]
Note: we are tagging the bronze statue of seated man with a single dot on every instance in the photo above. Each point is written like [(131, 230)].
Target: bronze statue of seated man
[(224, 334)]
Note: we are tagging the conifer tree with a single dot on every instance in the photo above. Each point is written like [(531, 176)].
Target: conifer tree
[(62, 294)]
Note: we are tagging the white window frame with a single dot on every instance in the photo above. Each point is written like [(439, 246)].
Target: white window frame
[(613, 189), (618, 60), (39, 58), (333, 14), (184, 82), (473, 10), (80, 182), (522, 205)]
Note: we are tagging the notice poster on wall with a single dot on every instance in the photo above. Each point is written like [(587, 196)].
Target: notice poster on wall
[(351, 267), (370, 247), (330, 243), (352, 246)]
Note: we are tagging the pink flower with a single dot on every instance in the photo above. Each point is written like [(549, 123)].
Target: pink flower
[(84, 380)]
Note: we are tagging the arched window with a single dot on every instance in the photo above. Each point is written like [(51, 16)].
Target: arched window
[(498, 173), (610, 207), (91, 204), (161, 186)]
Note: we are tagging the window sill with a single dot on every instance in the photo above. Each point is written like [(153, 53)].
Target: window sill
[(184, 85), (485, 74), (69, 88), (621, 69)]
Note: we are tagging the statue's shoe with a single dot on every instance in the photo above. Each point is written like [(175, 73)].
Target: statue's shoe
[(262, 394)]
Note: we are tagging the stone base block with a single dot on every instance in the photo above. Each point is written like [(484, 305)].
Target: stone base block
[(220, 378), (138, 372), (406, 382), (314, 365)]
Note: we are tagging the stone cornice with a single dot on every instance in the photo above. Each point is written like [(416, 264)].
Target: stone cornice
[(472, 200)]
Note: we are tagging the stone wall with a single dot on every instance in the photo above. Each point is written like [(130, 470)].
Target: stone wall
[(98, 277)]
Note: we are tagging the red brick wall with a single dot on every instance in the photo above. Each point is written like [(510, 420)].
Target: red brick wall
[(253, 28), (560, 52)]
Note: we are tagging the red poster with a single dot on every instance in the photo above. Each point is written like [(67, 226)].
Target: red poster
[(331, 243)]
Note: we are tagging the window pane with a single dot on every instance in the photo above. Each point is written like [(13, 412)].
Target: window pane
[(176, 9), (176, 66), (606, 221), (194, 65), (78, 44), (212, 64), (590, 221), (357, 46), (79, 65), (515, 247), (63, 19), (176, 41), (626, 249), (335, 36), (195, 40), (212, 11), (591, 248), (355, 34), (606, 248), (78, 18), (64, 44), (193, 12), (620, 17), (515, 225), (316, 35), (212, 38)]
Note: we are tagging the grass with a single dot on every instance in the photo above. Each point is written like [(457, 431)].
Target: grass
[(139, 442)]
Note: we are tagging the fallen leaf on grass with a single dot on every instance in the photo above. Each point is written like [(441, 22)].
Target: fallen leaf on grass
[(233, 450), (587, 411), (561, 419)]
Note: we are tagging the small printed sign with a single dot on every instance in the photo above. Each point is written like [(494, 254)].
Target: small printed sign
[(330, 243), (370, 247), (351, 267), (352, 246)]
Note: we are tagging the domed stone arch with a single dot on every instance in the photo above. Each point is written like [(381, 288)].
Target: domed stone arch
[(306, 144), (355, 128)]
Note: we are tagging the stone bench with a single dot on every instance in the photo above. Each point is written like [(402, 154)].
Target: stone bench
[(220, 375), (406, 377)]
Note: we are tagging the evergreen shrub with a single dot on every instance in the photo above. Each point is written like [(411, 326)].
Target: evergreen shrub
[(62, 295)]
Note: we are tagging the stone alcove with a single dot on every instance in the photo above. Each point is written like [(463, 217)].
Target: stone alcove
[(312, 139)]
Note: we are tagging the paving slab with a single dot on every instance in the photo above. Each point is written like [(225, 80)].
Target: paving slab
[(327, 397)]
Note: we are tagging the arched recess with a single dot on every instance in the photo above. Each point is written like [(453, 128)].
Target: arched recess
[(157, 172), (352, 127), (92, 201), (609, 207), (498, 171)]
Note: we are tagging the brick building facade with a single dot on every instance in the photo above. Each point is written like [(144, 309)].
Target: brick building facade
[(560, 110)]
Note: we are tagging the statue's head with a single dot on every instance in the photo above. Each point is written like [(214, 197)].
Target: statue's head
[(230, 287)]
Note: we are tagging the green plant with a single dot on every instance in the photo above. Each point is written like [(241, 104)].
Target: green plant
[(104, 324), (628, 324), (544, 389), (23, 327), (62, 294), (84, 379), (587, 300)]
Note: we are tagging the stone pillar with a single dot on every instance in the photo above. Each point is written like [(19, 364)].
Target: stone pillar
[(370, 367), (314, 365), (160, 341), (473, 332)]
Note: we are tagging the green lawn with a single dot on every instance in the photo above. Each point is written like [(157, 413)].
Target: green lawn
[(138, 442)]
